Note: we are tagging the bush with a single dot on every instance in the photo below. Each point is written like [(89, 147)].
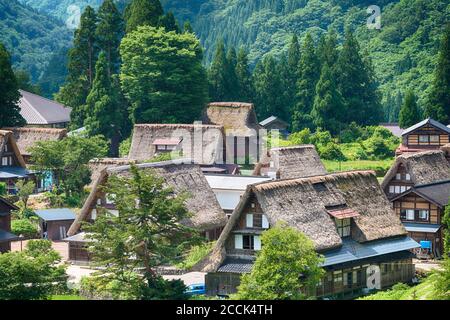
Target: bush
[(195, 255), (24, 227), (2, 188), (124, 147), (331, 151)]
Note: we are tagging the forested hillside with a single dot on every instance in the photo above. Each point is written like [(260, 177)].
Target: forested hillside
[(31, 37)]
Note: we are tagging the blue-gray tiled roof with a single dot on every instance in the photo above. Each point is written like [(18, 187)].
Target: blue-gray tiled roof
[(7, 236), (236, 266)]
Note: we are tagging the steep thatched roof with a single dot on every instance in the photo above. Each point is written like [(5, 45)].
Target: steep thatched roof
[(424, 167), (237, 116), (291, 162), (182, 177), (305, 203), (207, 152), (98, 165), (8, 136), (27, 137)]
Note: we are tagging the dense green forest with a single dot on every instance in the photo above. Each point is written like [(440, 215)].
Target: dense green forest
[(403, 52), (31, 37)]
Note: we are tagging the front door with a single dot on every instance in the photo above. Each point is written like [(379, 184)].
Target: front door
[(62, 232)]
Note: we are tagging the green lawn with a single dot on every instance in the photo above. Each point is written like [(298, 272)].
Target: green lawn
[(422, 291), (379, 166), (66, 297)]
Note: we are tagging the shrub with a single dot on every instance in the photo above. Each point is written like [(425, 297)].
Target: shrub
[(195, 255), (24, 227), (2, 188), (331, 151)]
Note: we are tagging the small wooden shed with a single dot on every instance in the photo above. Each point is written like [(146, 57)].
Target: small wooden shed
[(54, 223)]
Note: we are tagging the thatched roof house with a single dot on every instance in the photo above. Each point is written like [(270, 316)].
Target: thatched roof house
[(417, 169), (237, 116), (9, 148), (182, 177), (27, 137), (291, 162), (310, 205), (201, 143), (98, 165)]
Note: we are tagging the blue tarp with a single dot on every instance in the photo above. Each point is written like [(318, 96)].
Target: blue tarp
[(425, 244), (352, 250)]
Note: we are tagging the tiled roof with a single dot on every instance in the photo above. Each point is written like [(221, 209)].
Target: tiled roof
[(424, 122), (236, 266), (56, 214), (39, 110), (7, 236)]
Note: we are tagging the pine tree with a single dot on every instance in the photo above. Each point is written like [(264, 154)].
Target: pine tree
[(328, 107), (217, 74), (109, 32), (328, 50), (141, 13), (81, 62), (169, 22), (188, 27), (409, 113), (232, 88), (309, 73), (438, 106), (9, 93), (289, 73), (105, 114), (244, 77), (357, 84), (268, 99)]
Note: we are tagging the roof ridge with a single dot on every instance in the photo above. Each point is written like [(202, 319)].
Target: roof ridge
[(34, 109)]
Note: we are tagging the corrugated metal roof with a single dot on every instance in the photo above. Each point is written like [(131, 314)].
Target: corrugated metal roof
[(39, 110), (233, 182), (79, 237), (56, 214), (13, 172), (236, 266), (352, 250), (7, 236), (421, 227), (424, 122)]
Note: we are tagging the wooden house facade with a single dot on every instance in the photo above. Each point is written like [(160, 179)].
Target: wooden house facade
[(428, 134), (5, 225), (12, 165), (346, 215)]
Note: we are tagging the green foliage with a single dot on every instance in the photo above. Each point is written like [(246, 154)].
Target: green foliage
[(9, 98), (24, 227), (162, 76), (438, 106), (68, 159), (24, 82), (142, 13), (331, 151), (446, 231), (141, 237), (31, 274), (287, 267), (25, 190), (195, 255), (124, 147), (442, 285), (2, 189), (410, 113)]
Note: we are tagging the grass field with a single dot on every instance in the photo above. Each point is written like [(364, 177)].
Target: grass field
[(422, 291), (66, 297), (379, 166)]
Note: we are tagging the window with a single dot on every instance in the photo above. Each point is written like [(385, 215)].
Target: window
[(402, 189), (434, 139), (391, 189), (408, 176), (249, 220), (257, 220), (398, 176), (238, 241), (4, 161), (343, 227), (265, 222), (248, 242), (423, 138), (423, 215), (397, 189), (407, 214)]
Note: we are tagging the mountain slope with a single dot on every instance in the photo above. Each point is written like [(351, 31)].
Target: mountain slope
[(30, 37)]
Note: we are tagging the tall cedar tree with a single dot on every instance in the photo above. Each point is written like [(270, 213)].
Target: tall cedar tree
[(81, 67), (309, 73), (169, 22), (9, 93), (244, 77), (188, 27), (232, 81), (356, 84), (162, 76), (328, 50), (105, 115), (438, 106), (217, 75), (289, 73), (409, 113), (268, 99), (142, 13), (109, 32), (328, 107), (152, 232)]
